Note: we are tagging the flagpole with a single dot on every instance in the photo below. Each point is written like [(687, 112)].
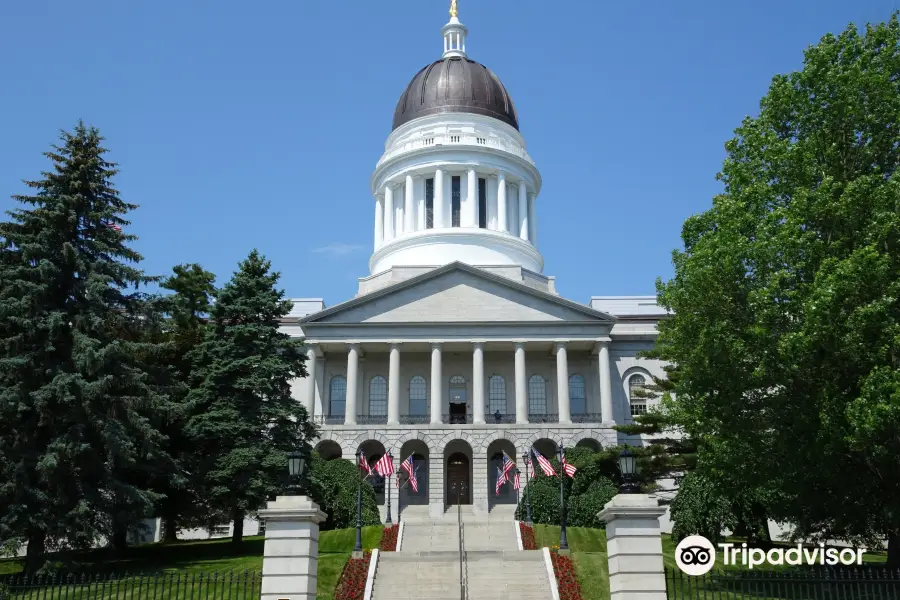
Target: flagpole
[(563, 542), (358, 546), (528, 520), (388, 520)]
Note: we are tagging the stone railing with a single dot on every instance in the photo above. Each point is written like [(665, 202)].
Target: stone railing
[(455, 139)]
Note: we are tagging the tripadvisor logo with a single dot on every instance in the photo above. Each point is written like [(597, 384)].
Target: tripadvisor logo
[(696, 555)]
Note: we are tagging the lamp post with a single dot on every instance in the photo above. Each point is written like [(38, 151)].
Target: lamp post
[(519, 477), (357, 547), (527, 493), (628, 467), (387, 490), (296, 466), (563, 542)]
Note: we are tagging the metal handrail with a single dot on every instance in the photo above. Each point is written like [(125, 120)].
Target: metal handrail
[(463, 591)]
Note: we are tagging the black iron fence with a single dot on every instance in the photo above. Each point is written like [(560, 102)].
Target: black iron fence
[(817, 583), (231, 585)]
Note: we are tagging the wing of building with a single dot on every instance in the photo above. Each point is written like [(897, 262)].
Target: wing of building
[(458, 347)]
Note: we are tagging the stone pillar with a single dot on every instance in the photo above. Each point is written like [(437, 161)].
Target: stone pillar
[(502, 212), (436, 484), (388, 212), (492, 203), (532, 219), (291, 551), (438, 201), (523, 210), (480, 482), (419, 184), (521, 384), (309, 393), (437, 387), (379, 221), (409, 213), (562, 383), (606, 403), (470, 214), (398, 216), (478, 383), (393, 416), (634, 547), (352, 384)]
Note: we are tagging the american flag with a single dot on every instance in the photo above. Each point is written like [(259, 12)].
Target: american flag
[(385, 465), (545, 465), (516, 483), (364, 464), (508, 465), (408, 466), (531, 466), (114, 227), (502, 477), (569, 469)]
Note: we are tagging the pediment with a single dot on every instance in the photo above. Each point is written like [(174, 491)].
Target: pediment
[(458, 293)]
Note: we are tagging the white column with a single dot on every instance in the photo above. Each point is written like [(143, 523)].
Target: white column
[(532, 219), (606, 403), (492, 203), (388, 213), (419, 183), (291, 550), (409, 212), (394, 385), (470, 214), (478, 383), (523, 210), (512, 209), (502, 213), (634, 547), (437, 386), (438, 208), (309, 393), (398, 218), (352, 384), (379, 221), (521, 384), (562, 382)]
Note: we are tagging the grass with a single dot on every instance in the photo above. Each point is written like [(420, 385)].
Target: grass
[(200, 559), (588, 552)]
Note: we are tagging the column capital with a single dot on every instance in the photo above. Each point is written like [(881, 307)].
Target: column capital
[(395, 345), (436, 345), (557, 344), (602, 343), (352, 344), (479, 343), (519, 344)]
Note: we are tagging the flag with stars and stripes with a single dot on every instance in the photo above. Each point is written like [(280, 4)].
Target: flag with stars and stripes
[(502, 477), (531, 466), (408, 466), (364, 464), (385, 465), (508, 465), (545, 465), (516, 483), (114, 227), (568, 468)]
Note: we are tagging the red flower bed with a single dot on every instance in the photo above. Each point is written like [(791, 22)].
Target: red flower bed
[(352, 585), (389, 539), (528, 541), (566, 580)]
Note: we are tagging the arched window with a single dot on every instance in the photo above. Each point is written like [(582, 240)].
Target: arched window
[(458, 389), (418, 396), (497, 394), (338, 396), (378, 396), (537, 395), (577, 401), (636, 398)]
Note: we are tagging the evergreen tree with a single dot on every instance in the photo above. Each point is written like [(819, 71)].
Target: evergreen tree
[(73, 395), (245, 420)]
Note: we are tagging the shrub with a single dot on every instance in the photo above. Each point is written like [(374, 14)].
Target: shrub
[(389, 538), (528, 541), (352, 585), (566, 580), (333, 488)]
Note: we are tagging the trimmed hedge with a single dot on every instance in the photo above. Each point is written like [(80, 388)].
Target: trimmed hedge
[(333, 487)]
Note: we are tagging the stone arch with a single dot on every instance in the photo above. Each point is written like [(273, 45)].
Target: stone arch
[(374, 450), (421, 454), (494, 458), (589, 442), (329, 449), (502, 435), (546, 446), (458, 472)]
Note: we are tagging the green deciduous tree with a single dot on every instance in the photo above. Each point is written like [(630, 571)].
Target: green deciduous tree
[(333, 488), (786, 298), (244, 419), (74, 396)]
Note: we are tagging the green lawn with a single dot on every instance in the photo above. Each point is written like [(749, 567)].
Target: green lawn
[(588, 552), (206, 558)]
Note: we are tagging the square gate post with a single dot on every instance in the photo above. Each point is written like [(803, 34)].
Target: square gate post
[(291, 551), (634, 547)]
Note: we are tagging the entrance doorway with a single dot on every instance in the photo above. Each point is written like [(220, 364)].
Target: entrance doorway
[(458, 400), (459, 485)]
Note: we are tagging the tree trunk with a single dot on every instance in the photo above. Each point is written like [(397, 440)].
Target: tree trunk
[(34, 554), (237, 532), (120, 538), (171, 531), (893, 549)]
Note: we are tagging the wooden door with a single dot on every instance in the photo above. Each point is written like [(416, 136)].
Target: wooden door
[(459, 487)]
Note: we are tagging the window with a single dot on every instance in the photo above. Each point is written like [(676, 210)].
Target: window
[(454, 200), (482, 203), (418, 396), (497, 394), (338, 396), (537, 395), (378, 392), (636, 398), (577, 402), (429, 203), (457, 389)]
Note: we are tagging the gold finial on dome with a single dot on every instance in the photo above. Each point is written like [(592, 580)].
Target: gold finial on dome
[(454, 9)]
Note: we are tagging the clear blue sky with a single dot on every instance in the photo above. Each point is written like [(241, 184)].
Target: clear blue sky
[(258, 124)]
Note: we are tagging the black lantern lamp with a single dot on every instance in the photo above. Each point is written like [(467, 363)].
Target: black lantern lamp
[(296, 466), (628, 467), (528, 520)]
